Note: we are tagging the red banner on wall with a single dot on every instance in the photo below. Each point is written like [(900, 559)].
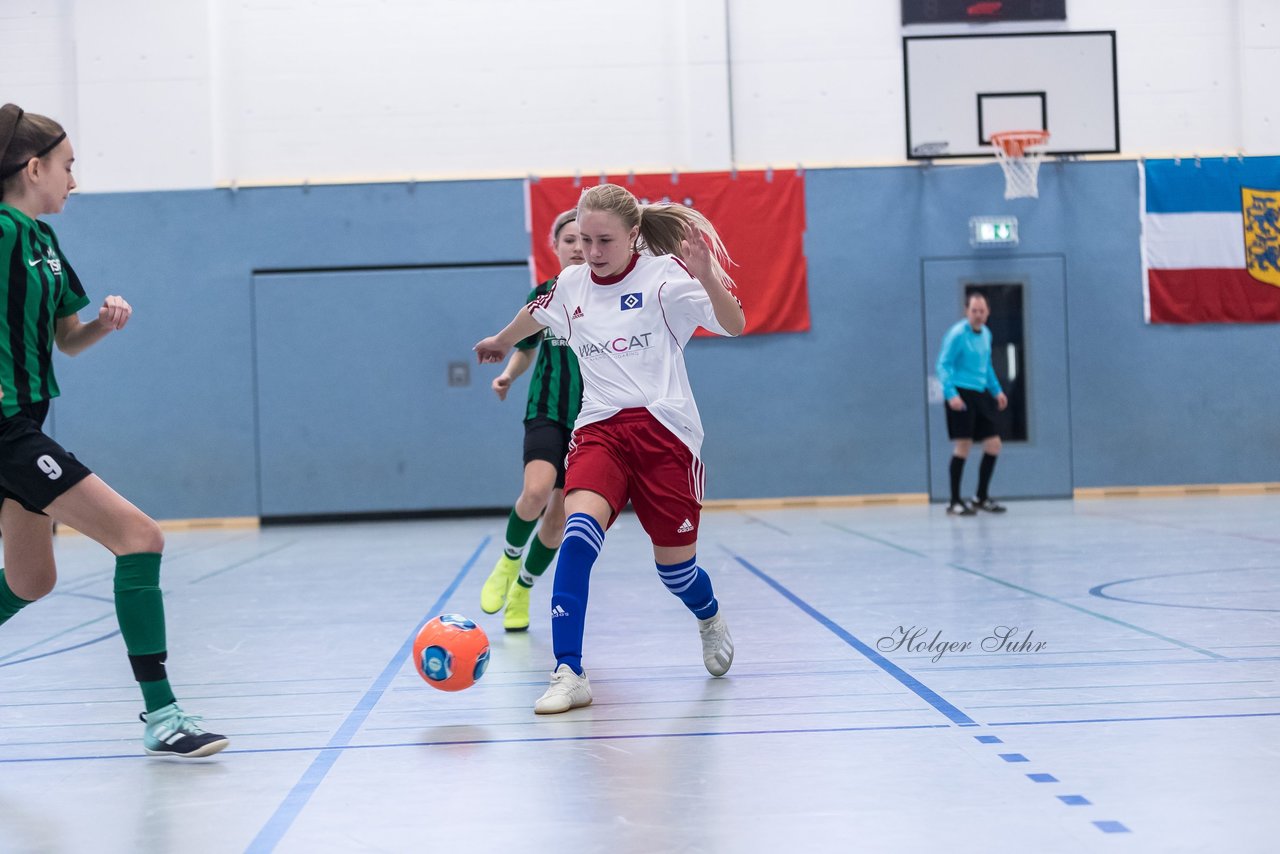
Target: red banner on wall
[(760, 218)]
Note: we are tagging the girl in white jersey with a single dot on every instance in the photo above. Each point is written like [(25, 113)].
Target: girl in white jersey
[(628, 317)]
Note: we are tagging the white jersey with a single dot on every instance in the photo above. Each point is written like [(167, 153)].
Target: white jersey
[(628, 332)]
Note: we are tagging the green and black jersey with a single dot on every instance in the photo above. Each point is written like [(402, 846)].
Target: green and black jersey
[(37, 287), (555, 389)]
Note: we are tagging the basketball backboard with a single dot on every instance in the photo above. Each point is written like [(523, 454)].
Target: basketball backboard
[(960, 89)]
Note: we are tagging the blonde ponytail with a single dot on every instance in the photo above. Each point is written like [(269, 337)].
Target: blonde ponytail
[(663, 227)]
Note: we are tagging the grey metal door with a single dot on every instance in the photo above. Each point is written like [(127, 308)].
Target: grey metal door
[(1040, 466), (379, 406)]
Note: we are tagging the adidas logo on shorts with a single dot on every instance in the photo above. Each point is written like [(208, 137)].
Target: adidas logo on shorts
[(685, 528), (557, 611)]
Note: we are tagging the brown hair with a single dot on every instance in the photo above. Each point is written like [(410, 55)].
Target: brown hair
[(561, 221), (662, 226), (24, 136)]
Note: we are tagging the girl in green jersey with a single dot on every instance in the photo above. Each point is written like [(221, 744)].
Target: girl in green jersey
[(40, 481)]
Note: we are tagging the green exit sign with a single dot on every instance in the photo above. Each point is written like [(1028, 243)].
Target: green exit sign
[(993, 231)]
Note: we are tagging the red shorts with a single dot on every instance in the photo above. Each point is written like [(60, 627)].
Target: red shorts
[(631, 456)]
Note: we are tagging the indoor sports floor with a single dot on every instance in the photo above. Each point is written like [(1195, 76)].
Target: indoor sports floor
[(1148, 719)]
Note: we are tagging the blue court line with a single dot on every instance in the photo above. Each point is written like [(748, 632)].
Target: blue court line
[(284, 816), (111, 602), (89, 580), (1035, 593), (1076, 703), (76, 689), (185, 698), (1117, 685), (52, 637), (1224, 716), (60, 650), (243, 562), (767, 524), (1082, 610), (4, 662), (1039, 778), (707, 717), (1140, 521), (1042, 777), (493, 741), (1111, 827), (1161, 662), (116, 741), (914, 685), (1098, 590)]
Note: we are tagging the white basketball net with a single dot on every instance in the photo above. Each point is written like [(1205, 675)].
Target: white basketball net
[(1019, 154)]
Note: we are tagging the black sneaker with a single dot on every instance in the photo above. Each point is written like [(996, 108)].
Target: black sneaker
[(960, 508), (172, 732), (987, 504)]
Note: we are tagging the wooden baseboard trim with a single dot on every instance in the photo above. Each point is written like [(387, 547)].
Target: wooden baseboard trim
[(874, 500), (213, 524), (817, 501), (1179, 491)]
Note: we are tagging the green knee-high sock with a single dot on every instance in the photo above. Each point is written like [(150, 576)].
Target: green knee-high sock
[(536, 563), (140, 611), (518, 531), (10, 602)]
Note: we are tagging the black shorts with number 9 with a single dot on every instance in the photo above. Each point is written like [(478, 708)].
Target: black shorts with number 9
[(34, 469)]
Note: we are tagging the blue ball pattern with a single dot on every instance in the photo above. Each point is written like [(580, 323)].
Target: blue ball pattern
[(458, 621), (482, 664), (437, 663)]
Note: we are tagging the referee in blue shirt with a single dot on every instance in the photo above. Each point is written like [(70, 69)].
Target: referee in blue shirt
[(973, 396)]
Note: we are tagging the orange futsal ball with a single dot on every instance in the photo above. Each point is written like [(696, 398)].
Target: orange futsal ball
[(451, 652)]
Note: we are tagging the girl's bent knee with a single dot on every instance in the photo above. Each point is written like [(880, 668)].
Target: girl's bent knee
[(143, 536), (31, 586), (536, 498)]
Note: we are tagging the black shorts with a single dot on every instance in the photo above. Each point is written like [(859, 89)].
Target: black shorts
[(980, 418), (547, 440), (34, 469)]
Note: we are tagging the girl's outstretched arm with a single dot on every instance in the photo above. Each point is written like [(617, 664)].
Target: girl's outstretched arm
[(495, 347), (73, 337)]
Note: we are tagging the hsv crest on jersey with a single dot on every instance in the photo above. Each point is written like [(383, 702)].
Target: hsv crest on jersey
[(630, 301)]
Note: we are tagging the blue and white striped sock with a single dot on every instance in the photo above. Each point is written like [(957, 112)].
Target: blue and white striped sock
[(692, 585), (583, 538)]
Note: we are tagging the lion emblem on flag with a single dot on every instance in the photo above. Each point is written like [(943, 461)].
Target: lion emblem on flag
[(1261, 210)]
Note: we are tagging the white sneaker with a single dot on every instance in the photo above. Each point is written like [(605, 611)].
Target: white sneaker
[(717, 646), (568, 691)]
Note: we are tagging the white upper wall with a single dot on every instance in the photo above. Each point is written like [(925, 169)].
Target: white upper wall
[(162, 94)]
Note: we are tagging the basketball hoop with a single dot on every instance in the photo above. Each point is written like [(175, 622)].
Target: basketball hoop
[(1019, 153)]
